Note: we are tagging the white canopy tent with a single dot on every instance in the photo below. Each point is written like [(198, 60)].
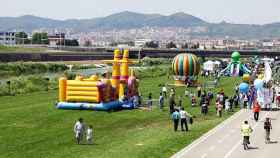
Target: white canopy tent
[(211, 65)]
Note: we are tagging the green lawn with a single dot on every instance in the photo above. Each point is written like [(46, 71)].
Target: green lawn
[(19, 49), (31, 127)]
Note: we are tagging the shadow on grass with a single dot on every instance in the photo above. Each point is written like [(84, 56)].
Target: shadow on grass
[(85, 144)]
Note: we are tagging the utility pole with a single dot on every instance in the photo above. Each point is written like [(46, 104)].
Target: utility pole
[(139, 54)]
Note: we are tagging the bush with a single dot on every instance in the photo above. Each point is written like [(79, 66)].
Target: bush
[(151, 72), (79, 67), (29, 84), (147, 61), (20, 68)]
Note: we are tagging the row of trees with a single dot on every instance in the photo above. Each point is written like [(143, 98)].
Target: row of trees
[(42, 38), (37, 38)]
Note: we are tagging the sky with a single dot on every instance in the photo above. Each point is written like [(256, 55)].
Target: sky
[(233, 11)]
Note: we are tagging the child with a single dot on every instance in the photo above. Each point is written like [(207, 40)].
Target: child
[(256, 110), (227, 105), (219, 109), (89, 134), (193, 101), (150, 101), (267, 128)]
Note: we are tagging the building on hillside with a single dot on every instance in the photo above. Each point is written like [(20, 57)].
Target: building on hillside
[(8, 38), (141, 42), (56, 39)]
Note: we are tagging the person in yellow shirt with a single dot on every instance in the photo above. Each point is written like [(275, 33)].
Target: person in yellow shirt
[(246, 131)]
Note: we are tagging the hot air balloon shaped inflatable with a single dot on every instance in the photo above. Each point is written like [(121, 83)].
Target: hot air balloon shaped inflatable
[(186, 69)]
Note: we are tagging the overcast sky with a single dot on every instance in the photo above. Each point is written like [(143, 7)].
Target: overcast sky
[(234, 11)]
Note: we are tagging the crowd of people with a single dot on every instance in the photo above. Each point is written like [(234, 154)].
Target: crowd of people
[(179, 116)]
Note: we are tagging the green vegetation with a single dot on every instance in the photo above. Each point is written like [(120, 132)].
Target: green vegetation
[(147, 61), (19, 49), (40, 38), (24, 68), (22, 38), (32, 127), (83, 66), (29, 84)]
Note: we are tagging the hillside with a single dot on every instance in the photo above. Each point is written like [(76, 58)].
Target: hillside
[(128, 20)]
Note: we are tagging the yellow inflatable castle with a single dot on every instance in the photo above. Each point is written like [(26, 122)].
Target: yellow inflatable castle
[(102, 94)]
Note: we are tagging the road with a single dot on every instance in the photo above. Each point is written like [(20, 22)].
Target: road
[(225, 140)]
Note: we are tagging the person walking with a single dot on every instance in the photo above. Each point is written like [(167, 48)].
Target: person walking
[(150, 102), (246, 131), (267, 128), (180, 101), (278, 99), (231, 100), (79, 130), (219, 109), (227, 105), (161, 101), (256, 110), (183, 116), (171, 104), (236, 89), (90, 134), (245, 100), (235, 100), (164, 91), (198, 91), (176, 118), (193, 101), (241, 100)]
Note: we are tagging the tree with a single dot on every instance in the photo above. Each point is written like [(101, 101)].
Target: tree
[(22, 38), (152, 44), (71, 42), (171, 45), (40, 38), (68, 42)]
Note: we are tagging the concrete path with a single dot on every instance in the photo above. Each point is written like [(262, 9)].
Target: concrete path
[(225, 140)]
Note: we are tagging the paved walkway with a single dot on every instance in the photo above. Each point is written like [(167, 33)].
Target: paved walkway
[(225, 140)]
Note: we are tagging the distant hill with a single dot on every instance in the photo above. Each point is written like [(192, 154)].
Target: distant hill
[(127, 20)]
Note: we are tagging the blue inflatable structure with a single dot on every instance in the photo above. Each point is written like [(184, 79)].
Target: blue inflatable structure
[(110, 106)]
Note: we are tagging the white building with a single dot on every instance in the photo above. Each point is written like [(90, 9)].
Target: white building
[(141, 42), (8, 38)]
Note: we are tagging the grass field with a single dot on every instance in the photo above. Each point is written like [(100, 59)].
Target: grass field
[(31, 127), (19, 49)]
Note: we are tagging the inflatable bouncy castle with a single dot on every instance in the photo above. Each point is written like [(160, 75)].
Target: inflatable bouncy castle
[(101, 94), (235, 67), (186, 68)]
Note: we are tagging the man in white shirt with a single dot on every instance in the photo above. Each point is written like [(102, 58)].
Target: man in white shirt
[(183, 116), (164, 91), (78, 130)]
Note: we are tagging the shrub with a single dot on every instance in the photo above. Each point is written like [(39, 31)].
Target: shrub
[(151, 72), (20, 68), (28, 84), (147, 61)]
